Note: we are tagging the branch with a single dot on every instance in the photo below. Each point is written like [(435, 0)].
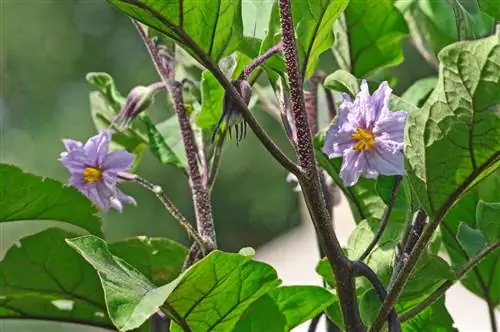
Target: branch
[(422, 242), (361, 269), (385, 219), (158, 191), (259, 60), (206, 61), (447, 284), (309, 179), (201, 197)]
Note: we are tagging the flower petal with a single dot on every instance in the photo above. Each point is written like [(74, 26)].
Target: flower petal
[(380, 102), (337, 142), (118, 161), (391, 125), (386, 159), (96, 148), (71, 144), (75, 161), (353, 165)]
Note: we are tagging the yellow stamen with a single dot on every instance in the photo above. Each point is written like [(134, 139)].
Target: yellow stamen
[(91, 174), (365, 139)]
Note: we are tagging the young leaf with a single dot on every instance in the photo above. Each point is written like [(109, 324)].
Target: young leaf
[(313, 22), (159, 259), (216, 27), (262, 315), (43, 278), (325, 270), (470, 239), (301, 303), (491, 8), (29, 197), (363, 53), (418, 93), (488, 220), (435, 318), (461, 118)]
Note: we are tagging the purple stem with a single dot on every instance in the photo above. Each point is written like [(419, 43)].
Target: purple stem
[(259, 60)]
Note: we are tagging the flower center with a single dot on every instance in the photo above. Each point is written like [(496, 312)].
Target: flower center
[(365, 139), (91, 174)]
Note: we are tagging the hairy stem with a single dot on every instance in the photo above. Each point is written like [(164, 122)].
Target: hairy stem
[(424, 239), (259, 60), (447, 284), (361, 269), (201, 197), (167, 203), (385, 219), (309, 179)]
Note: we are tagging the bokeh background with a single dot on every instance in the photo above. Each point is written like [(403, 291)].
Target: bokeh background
[(46, 49)]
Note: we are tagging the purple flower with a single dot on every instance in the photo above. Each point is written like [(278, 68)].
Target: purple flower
[(95, 172), (368, 136)]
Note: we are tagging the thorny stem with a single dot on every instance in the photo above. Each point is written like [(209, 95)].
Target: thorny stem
[(309, 179), (201, 197), (209, 64), (361, 269), (447, 284), (167, 203), (385, 219), (424, 239), (259, 60)]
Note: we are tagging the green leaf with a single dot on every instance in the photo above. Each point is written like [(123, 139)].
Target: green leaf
[(460, 117), (334, 313), (106, 86), (313, 21), (301, 303), (435, 318), (159, 259), (369, 305), (401, 207), (418, 93), (325, 271), (369, 37), (29, 197), (43, 278), (491, 8), (171, 132), (488, 220), (471, 240), (262, 315), (159, 146), (216, 27), (486, 273), (211, 107), (130, 297)]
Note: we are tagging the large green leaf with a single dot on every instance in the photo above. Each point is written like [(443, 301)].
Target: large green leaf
[(215, 26), (369, 36), (418, 93), (433, 25), (43, 278), (490, 7), (263, 315), (471, 240), (213, 293), (435, 318), (211, 107), (159, 259), (482, 279), (462, 118), (29, 197), (313, 21), (301, 303), (488, 220)]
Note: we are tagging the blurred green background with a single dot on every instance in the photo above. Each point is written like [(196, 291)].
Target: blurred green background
[(48, 46)]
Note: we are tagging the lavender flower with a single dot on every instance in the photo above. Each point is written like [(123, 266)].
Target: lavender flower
[(368, 136), (95, 172)]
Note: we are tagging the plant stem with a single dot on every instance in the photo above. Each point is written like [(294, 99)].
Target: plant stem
[(167, 203), (215, 161), (259, 60), (424, 239), (201, 197), (309, 179), (385, 219), (361, 269), (447, 284), (209, 64), (330, 103)]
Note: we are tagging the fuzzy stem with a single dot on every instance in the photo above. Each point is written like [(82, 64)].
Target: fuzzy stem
[(385, 219), (201, 197), (309, 179), (447, 284), (259, 60), (167, 203), (361, 269), (422, 242)]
